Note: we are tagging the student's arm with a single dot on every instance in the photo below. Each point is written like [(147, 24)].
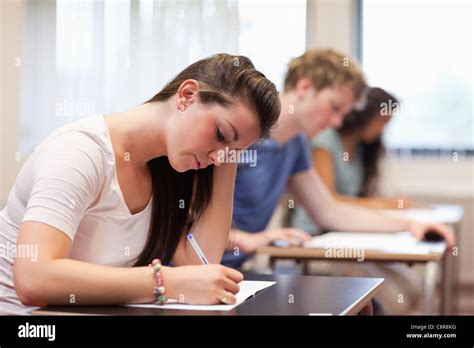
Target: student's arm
[(212, 229), (51, 278), (309, 189), (323, 163)]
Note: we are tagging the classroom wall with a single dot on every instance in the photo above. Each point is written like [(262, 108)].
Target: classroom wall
[(332, 23), (11, 23)]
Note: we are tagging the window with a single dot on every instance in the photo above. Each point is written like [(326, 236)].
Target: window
[(272, 33), (82, 57), (421, 51)]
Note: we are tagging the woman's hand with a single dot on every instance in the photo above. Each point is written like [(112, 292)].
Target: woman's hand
[(203, 284), (420, 229)]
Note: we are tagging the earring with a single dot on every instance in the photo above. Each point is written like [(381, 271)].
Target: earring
[(181, 108)]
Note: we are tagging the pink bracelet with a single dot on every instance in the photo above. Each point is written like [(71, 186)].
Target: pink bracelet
[(159, 289)]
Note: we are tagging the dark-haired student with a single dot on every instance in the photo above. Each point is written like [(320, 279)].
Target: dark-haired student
[(320, 88), (104, 197)]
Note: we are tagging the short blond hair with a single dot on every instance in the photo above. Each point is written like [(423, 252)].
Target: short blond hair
[(325, 68)]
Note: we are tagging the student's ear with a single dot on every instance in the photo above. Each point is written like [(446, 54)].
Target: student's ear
[(302, 87), (187, 93)]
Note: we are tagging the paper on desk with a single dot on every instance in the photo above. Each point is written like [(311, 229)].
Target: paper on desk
[(248, 288), (399, 242), (440, 213)]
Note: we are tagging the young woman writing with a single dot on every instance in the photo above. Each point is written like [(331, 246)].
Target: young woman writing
[(109, 192)]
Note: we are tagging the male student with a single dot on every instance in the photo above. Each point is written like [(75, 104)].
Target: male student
[(320, 87)]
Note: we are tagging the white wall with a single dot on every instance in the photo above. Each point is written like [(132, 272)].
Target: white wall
[(332, 23), (11, 22)]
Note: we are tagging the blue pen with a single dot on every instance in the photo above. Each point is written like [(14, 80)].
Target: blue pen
[(197, 249)]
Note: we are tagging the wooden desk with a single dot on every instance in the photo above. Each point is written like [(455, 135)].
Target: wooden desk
[(369, 255), (444, 214), (432, 261), (291, 295)]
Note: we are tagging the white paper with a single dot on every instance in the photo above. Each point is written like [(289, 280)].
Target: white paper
[(440, 213), (319, 314), (398, 242), (248, 288)]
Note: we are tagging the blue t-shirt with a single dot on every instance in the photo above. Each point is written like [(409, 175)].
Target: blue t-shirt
[(258, 188)]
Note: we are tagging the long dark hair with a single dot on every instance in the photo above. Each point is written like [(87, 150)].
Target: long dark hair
[(179, 199), (357, 120)]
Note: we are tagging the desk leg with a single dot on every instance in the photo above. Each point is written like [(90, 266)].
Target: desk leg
[(431, 271), (447, 280), (305, 267), (368, 309), (450, 279), (271, 262), (454, 272)]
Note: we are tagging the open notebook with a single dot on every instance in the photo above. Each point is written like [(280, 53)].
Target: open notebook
[(403, 242), (248, 288)]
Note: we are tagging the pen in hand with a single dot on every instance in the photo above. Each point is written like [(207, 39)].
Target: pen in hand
[(197, 249)]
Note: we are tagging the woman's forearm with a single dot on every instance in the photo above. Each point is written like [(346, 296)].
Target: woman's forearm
[(212, 229), (69, 282), (369, 202), (350, 217), (332, 214)]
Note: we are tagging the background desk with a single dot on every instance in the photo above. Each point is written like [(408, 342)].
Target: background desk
[(441, 214), (310, 294), (432, 260)]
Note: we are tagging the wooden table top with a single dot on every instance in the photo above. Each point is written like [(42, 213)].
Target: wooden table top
[(369, 255)]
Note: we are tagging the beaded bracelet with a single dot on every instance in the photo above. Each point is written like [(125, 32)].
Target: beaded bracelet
[(159, 289)]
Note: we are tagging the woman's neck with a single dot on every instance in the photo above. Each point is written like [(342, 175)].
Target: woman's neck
[(287, 126), (139, 133)]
